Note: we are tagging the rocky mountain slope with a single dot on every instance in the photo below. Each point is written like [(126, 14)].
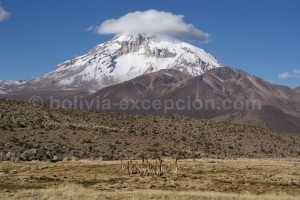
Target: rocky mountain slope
[(148, 86), (40, 133), (219, 94), (137, 68)]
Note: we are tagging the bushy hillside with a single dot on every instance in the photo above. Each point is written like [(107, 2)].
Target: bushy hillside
[(32, 133)]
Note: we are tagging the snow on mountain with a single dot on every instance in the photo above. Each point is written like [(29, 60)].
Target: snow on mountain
[(8, 85), (10, 82), (125, 57)]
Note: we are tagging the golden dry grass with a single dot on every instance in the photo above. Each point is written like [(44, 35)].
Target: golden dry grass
[(197, 179), (77, 192)]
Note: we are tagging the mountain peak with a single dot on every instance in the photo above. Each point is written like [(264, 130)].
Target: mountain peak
[(142, 37), (132, 37), (127, 56)]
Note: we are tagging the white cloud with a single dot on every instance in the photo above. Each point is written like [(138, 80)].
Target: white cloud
[(153, 22), (284, 75), (4, 14), (288, 75), (90, 28), (296, 71)]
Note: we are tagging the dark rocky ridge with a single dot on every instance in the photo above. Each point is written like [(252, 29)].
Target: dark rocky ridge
[(263, 104)]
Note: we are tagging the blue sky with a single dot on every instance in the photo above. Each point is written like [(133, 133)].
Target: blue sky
[(259, 36)]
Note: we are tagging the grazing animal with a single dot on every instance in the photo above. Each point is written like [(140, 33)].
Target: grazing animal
[(147, 167)]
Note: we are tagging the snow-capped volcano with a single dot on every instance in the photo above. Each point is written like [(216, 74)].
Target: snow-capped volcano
[(125, 57)]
